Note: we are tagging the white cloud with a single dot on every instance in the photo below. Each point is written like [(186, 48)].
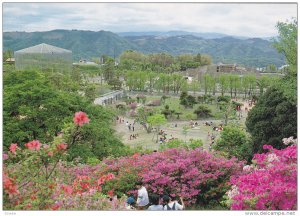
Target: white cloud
[(235, 19)]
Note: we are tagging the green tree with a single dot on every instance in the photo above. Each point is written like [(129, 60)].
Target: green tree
[(115, 83), (263, 82), (245, 85), (130, 80), (235, 143), (286, 44), (227, 111), (203, 111), (195, 85), (157, 121), (208, 83), (109, 68), (224, 83), (236, 84), (151, 78), (273, 118), (35, 109), (7, 54), (178, 82), (142, 117)]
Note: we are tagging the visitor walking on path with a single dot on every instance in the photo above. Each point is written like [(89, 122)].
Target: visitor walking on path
[(172, 203), (142, 199)]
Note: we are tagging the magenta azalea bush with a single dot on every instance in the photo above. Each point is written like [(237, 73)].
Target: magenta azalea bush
[(270, 183), (198, 176)]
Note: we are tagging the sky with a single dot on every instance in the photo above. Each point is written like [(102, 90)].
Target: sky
[(249, 20)]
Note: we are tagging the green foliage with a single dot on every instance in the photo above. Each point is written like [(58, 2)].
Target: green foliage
[(156, 120), (273, 118), (286, 43), (173, 144), (115, 83), (142, 116), (224, 83), (187, 100), (225, 99), (203, 111), (35, 109), (235, 142), (92, 161), (193, 144), (227, 111)]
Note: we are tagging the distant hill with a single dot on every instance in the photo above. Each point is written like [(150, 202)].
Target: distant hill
[(87, 44), (83, 44), (207, 35)]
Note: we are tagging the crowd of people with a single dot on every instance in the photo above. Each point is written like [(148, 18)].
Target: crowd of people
[(153, 202)]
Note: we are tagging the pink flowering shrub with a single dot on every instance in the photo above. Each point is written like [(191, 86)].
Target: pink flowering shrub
[(133, 105), (270, 183), (196, 175)]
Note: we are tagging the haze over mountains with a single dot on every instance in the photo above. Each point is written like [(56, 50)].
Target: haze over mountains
[(255, 52)]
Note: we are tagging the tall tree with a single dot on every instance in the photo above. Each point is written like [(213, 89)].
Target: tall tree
[(286, 43), (157, 121), (224, 83), (273, 118)]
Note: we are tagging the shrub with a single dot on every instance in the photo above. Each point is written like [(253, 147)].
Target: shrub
[(198, 176), (270, 183), (271, 119), (195, 144), (203, 111), (235, 142), (225, 99)]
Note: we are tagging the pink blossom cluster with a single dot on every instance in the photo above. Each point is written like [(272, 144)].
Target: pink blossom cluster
[(290, 140), (81, 118), (178, 171), (270, 183), (133, 105)]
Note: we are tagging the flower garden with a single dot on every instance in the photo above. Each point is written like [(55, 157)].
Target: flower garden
[(37, 176)]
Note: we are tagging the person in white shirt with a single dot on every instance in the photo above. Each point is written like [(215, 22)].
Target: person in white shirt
[(154, 200), (172, 204), (142, 199)]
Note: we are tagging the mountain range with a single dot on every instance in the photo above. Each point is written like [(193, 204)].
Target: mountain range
[(255, 52)]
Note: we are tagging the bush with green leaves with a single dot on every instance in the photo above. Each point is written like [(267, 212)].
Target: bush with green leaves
[(35, 109), (271, 119), (235, 142), (203, 111), (193, 144), (225, 99)]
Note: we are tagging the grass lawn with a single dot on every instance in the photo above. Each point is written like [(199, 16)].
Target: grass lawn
[(174, 104)]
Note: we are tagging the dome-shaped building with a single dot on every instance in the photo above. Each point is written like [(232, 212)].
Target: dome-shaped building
[(44, 57)]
